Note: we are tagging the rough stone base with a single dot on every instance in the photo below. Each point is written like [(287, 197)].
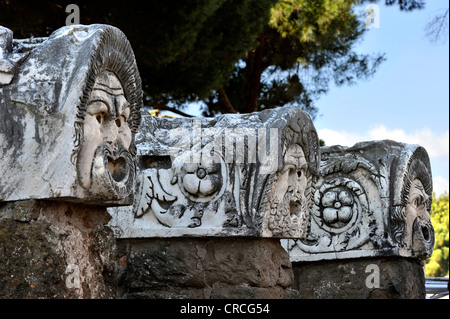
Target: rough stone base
[(399, 278), (56, 250), (204, 268)]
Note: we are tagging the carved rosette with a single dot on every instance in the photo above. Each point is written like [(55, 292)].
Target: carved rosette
[(203, 181), (339, 204), (344, 212), (181, 195)]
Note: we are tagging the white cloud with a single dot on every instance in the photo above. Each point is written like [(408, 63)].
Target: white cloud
[(440, 185), (343, 138), (437, 145)]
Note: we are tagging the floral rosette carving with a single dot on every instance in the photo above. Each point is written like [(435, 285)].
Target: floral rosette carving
[(200, 180), (338, 207), (338, 204)]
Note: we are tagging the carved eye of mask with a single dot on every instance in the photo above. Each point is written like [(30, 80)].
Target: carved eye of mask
[(418, 201), (98, 109), (122, 119), (418, 198)]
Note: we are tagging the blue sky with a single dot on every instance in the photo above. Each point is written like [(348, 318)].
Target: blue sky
[(407, 100)]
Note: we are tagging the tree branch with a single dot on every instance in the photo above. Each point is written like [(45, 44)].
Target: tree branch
[(437, 27), (253, 77), (171, 109), (225, 101)]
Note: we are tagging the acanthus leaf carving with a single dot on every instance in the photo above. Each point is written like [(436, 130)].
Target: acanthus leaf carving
[(153, 195)]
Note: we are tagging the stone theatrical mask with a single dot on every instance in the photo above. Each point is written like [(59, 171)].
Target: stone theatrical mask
[(104, 161), (70, 109), (417, 211), (290, 189), (410, 216)]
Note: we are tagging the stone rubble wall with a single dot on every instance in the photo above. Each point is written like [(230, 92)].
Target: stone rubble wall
[(56, 250), (395, 278), (206, 268)]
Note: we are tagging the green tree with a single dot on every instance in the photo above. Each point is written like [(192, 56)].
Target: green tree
[(304, 45), (184, 49), (438, 264)]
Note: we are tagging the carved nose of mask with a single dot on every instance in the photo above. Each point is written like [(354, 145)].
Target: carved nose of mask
[(112, 134), (423, 238)]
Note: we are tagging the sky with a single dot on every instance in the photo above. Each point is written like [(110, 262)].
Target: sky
[(407, 100)]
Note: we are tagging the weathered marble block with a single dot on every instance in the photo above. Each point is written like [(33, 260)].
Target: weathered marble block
[(234, 175), (69, 109), (372, 199)]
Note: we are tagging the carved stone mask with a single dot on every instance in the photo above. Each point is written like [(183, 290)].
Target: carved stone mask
[(104, 163), (293, 175), (419, 232), (289, 191), (70, 109)]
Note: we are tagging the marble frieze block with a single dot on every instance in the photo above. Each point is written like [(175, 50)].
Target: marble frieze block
[(233, 175), (372, 199), (69, 108)]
